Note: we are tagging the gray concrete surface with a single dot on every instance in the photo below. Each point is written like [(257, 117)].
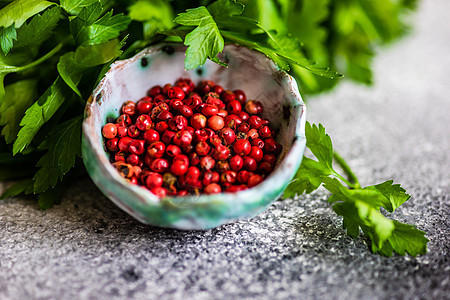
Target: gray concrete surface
[(86, 248)]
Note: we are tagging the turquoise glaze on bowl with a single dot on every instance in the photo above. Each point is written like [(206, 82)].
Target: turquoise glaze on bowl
[(248, 70)]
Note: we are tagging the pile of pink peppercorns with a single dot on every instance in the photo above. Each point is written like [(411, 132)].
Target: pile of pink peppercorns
[(186, 139)]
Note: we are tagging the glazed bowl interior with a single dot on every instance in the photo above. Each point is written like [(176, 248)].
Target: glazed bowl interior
[(247, 70)]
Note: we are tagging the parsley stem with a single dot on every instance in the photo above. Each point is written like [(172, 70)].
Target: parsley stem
[(44, 57), (352, 179)]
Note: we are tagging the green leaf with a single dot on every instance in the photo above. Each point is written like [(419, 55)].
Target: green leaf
[(19, 11), (38, 114), (64, 147), (74, 7), (223, 9), (391, 195), (203, 42), (39, 29), (72, 64), (7, 37), (21, 187), (307, 179), (87, 30), (51, 197), (406, 238), (156, 16), (18, 97)]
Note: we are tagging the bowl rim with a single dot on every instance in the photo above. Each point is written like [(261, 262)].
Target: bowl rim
[(298, 144)]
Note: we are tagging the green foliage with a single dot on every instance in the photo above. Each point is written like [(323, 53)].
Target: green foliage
[(54, 54), (359, 207)]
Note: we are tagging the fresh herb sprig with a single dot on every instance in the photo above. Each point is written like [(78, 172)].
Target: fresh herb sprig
[(53, 54)]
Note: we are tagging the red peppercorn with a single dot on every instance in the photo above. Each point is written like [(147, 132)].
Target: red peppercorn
[(242, 147), (182, 138), (205, 86), (124, 120), (112, 145), (143, 122), (175, 92), (243, 176), (161, 126), (236, 188), (175, 104), (218, 89), (228, 96), (216, 102), (136, 147), (228, 177), (252, 134), (153, 180), (243, 127), (272, 147), (209, 110), (265, 132), (166, 88), (243, 115), (212, 188), (160, 192), (221, 152), (222, 166), (129, 108), (255, 122), (258, 142), (270, 158), (232, 121), (256, 153), (165, 115), (119, 156), (198, 121), (124, 142), (167, 137), (193, 101), (159, 165), (154, 91), (236, 163), (109, 131), (194, 159), (133, 159), (254, 180), (202, 148), (159, 99), (156, 149), (200, 135), (178, 123), (144, 106), (234, 107), (122, 131), (185, 111), (227, 135), (223, 113), (250, 164), (151, 136), (216, 123), (265, 167), (253, 107), (191, 176), (178, 167), (240, 96), (207, 163), (172, 150)]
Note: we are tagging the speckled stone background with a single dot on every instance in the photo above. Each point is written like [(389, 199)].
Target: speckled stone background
[(89, 249)]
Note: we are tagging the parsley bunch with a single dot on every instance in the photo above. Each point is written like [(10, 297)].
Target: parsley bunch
[(53, 53)]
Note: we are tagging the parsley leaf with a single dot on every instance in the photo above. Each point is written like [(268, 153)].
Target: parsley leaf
[(17, 12), (74, 7), (21, 187), (18, 97), (156, 15), (203, 42), (51, 197), (38, 29), (87, 30), (39, 113), (72, 64), (359, 207), (7, 36), (64, 147)]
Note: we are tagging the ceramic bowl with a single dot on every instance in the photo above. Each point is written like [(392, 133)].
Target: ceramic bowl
[(248, 70)]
